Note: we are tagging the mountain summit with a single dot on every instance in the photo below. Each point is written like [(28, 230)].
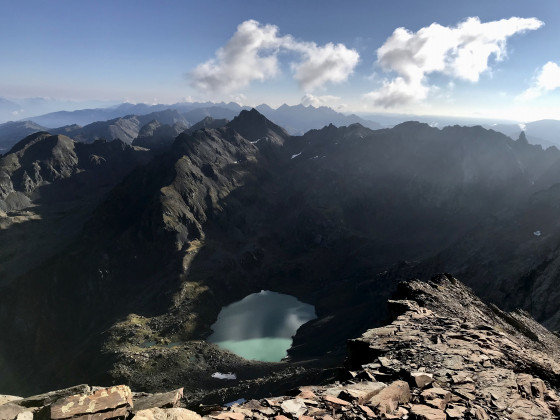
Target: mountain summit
[(255, 127)]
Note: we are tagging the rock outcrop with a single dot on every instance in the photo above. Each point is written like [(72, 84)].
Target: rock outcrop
[(83, 402), (446, 355)]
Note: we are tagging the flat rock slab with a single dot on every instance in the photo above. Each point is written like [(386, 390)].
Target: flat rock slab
[(335, 400), (162, 400), (50, 397), (105, 399), (362, 391)]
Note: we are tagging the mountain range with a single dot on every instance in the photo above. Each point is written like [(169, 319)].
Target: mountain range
[(125, 121), (115, 245)]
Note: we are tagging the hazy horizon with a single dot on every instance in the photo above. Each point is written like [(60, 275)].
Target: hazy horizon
[(496, 60)]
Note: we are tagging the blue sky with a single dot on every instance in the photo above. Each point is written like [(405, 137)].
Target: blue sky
[(315, 52)]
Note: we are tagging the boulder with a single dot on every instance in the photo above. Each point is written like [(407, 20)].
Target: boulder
[(421, 379), (295, 407), (361, 391), (389, 398)]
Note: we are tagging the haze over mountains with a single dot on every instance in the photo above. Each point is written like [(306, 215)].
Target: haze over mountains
[(115, 245), (126, 120)]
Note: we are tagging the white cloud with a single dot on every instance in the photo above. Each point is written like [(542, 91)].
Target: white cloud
[(331, 63), (548, 79), (317, 101), (252, 54), (460, 52)]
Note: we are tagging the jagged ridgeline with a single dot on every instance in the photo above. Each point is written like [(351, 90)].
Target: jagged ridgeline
[(116, 259)]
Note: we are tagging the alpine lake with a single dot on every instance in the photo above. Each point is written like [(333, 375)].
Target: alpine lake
[(261, 325)]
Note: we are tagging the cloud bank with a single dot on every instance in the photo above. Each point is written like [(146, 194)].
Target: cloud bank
[(460, 52), (252, 54), (548, 79)]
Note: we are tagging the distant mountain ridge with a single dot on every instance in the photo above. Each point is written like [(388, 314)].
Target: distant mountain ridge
[(13, 131), (125, 121), (299, 119)]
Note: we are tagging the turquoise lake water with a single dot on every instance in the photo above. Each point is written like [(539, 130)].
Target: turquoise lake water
[(260, 326)]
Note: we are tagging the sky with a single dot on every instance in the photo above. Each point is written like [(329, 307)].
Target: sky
[(494, 59)]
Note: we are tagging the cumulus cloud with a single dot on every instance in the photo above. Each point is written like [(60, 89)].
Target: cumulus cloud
[(317, 101), (330, 63), (548, 79), (461, 52), (252, 54)]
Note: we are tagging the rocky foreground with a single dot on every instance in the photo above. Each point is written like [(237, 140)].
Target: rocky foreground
[(446, 355)]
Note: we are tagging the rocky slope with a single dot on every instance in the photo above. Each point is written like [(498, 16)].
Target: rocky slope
[(445, 355), (49, 185)]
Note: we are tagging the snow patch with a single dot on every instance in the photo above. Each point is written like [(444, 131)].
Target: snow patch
[(537, 233), (219, 375), (296, 155)]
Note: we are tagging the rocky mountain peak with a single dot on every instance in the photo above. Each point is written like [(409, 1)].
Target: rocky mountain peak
[(255, 127), (522, 138)]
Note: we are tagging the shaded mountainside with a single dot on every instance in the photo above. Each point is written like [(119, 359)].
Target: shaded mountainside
[(328, 217), (13, 131), (49, 186)]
